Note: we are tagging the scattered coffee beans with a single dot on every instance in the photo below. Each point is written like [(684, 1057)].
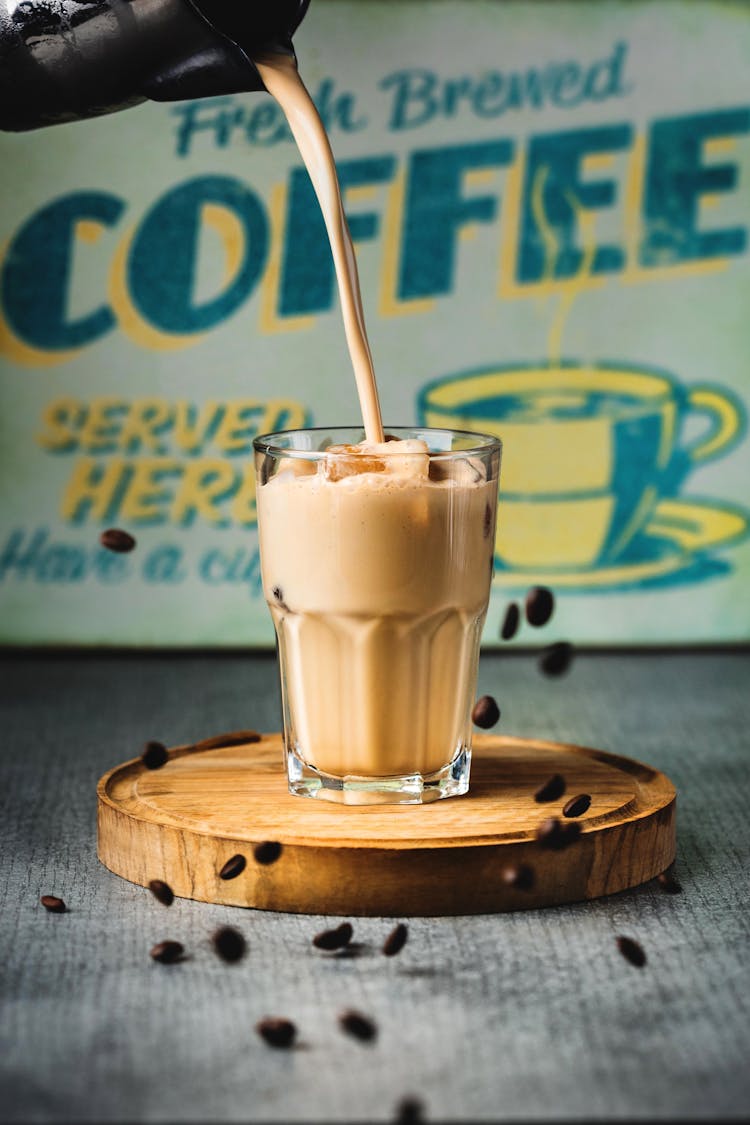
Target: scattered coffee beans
[(396, 940), (229, 944), (631, 951), (267, 852), (334, 939), (161, 891), (167, 952), (540, 603), (485, 712), (231, 738), (276, 1031), (511, 622), (518, 875), (115, 540), (358, 1026), (577, 806), (154, 755), (551, 790), (234, 866), (668, 883), (53, 904), (556, 659), (409, 1111), (552, 833)]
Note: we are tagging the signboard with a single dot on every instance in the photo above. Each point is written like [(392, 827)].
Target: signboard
[(551, 220)]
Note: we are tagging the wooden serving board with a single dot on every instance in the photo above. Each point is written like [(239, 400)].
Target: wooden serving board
[(181, 823)]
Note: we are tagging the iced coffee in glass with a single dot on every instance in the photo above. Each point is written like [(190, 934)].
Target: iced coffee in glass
[(377, 562)]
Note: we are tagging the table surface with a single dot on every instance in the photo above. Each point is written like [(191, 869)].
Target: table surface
[(532, 1015)]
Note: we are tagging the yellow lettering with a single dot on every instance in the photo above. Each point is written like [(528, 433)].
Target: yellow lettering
[(91, 489), (192, 427), (146, 418), (239, 426), (100, 430), (61, 418), (146, 500), (204, 484)]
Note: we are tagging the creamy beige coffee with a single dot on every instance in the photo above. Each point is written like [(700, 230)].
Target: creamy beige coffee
[(378, 579), (376, 559)]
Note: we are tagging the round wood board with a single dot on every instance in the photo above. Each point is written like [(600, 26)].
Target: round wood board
[(181, 823)]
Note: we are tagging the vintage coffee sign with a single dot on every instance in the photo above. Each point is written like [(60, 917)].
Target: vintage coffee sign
[(551, 222)]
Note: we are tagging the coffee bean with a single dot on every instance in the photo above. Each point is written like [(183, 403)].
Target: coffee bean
[(518, 875), (487, 526), (334, 939), (551, 790), (276, 1031), (577, 806), (511, 622), (267, 852), (556, 659), (396, 940), (167, 952), (154, 755), (358, 1026), (571, 832), (229, 944), (669, 884), (540, 604), (234, 866), (116, 540), (409, 1111), (631, 951), (552, 833), (485, 712), (161, 891), (231, 738), (53, 904), (549, 833)]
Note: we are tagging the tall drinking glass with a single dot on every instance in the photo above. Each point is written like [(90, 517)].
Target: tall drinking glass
[(377, 570)]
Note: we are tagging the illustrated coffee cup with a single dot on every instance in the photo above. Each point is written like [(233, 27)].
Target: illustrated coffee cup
[(589, 450)]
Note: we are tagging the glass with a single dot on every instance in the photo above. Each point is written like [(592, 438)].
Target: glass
[(377, 572)]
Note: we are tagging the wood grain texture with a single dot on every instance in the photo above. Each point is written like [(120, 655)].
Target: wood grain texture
[(531, 1015), (181, 823)]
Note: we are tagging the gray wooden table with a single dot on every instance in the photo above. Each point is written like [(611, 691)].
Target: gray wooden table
[(533, 1015)]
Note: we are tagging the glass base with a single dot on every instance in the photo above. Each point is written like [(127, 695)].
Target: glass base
[(411, 789)]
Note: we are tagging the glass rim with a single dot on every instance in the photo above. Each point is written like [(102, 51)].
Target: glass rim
[(487, 443)]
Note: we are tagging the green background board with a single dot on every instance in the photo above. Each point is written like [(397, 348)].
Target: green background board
[(551, 205)]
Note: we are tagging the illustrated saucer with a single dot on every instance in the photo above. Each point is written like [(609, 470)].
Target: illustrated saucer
[(672, 548)]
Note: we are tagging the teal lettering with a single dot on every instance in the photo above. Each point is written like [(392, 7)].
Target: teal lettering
[(436, 210), (337, 110), (307, 276), (675, 180), (35, 278), (163, 258), (414, 99), (565, 88), (606, 78), (164, 564), (266, 125), (557, 158), (218, 116)]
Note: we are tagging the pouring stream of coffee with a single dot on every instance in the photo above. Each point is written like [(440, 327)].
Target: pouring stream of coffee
[(282, 80)]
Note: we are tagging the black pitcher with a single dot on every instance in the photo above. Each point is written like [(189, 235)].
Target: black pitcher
[(61, 60)]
